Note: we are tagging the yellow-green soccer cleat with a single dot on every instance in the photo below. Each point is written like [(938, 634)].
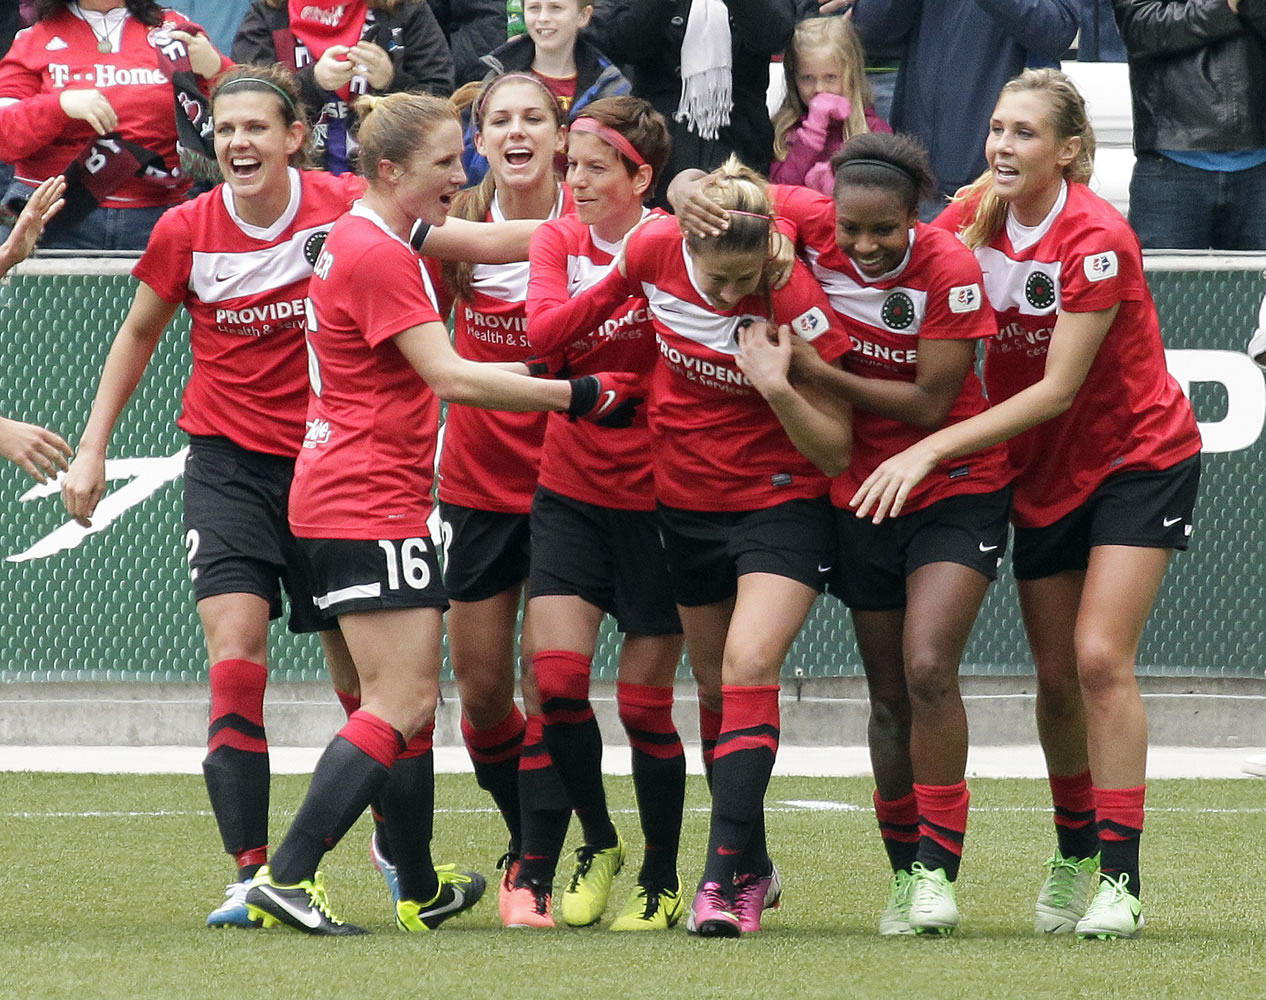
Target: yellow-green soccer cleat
[(1115, 912), (933, 909), (896, 916), (585, 898), (651, 908), (302, 907), (458, 892), (1070, 884)]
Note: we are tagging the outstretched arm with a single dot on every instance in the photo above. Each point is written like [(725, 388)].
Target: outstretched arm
[(129, 355), (46, 202), (1074, 342)]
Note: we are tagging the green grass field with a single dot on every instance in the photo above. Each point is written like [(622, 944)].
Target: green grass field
[(107, 881)]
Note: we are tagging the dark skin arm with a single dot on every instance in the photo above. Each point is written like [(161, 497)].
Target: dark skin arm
[(924, 403)]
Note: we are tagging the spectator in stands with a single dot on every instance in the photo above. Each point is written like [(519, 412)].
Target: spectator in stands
[(340, 49), (88, 69), (827, 101), (1198, 81), (704, 65), (958, 54), (473, 29), (552, 50), (882, 62), (38, 452)]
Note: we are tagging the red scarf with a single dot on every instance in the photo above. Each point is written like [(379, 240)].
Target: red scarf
[(322, 23)]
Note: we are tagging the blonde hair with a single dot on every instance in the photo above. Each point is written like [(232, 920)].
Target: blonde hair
[(743, 193), (839, 36), (396, 127), (1067, 117), (473, 203)]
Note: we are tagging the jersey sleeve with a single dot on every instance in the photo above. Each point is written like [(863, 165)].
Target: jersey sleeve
[(168, 259), (28, 119), (549, 307), (956, 307), (802, 305), (387, 294), (1101, 266), (553, 318)]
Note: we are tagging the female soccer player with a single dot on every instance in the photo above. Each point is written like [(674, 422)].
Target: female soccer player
[(379, 362), (488, 470), (1107, 456), (912, 301), (744, 516), (595, 541), (239, 259)]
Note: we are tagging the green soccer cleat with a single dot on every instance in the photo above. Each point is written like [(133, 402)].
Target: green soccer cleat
[(1115, 912), (651, 908), (585, 897), (1070, 884), (302, 907), (933, 909), (458, 892), (896, 916)]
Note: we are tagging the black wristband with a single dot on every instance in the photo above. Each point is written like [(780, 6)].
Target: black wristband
[(584, 394)]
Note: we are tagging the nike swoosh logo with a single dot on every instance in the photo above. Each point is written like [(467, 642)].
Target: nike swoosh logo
[(459, 898), (727, 851), (609, 397), (306, 916), (823, 569), (987, 548), (1170, 521), (225, 277)]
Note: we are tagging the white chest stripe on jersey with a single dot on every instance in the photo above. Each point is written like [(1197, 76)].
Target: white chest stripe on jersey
[(584, 272), (1020, 284), (703, 326), (215, 277), (865, 303)]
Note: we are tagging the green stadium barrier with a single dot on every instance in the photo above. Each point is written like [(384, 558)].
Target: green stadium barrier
[(116, 604)]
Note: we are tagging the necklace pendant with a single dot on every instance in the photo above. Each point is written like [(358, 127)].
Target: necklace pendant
[(104, 46)]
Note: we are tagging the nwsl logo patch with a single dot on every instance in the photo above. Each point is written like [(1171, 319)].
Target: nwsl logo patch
[(810, 325), (964, 298), (1100, 266)]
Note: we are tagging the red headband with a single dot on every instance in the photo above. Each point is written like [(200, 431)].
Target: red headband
[(608, 135)]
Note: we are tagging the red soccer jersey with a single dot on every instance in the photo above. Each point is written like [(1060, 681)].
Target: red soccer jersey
[(717, 444), (364, 471), (245, 288), (1129, 413), (60, 53), (608, 467), (491, 457), (934, 294)]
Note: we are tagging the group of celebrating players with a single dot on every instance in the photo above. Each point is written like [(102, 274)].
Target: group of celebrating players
[(695, 424)]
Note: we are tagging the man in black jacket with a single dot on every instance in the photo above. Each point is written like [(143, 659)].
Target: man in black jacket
[(1198, 78)]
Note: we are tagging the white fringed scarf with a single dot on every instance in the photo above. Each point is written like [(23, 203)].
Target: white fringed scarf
[(706, 81)]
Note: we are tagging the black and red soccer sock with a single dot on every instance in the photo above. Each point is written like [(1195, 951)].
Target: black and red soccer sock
[(1119, 815), (709, 733), (899, 828), (575, 743), (745, 752), (407, 803), (544, 808), (942, 824), (236, 766), (1074, 802), (495, 755), (351, 772), (659, 776), (351, 703)]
